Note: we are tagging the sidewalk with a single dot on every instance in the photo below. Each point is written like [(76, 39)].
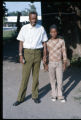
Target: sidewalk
[(46, 109)]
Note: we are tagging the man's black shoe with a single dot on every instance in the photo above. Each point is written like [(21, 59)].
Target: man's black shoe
[(17, 103), (36, 100)]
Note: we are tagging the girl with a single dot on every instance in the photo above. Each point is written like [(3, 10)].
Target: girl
[(57, 55)]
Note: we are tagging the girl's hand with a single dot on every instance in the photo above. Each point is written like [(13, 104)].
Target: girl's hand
[(44, 59), (64, 66), (46, 67)]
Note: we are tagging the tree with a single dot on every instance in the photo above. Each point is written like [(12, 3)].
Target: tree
[(5, 10), (69, 25), (31, 9), (18, 24), (13, 13), (24, 13)]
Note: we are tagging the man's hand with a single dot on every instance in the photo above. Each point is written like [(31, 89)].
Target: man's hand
[(21, 59), (20, 51)]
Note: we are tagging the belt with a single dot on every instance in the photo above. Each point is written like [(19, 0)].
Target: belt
[(33, 49)]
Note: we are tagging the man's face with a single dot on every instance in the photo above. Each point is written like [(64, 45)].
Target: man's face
[(33, 19)]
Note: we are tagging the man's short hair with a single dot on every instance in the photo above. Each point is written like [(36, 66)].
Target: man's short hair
[(33, 12)]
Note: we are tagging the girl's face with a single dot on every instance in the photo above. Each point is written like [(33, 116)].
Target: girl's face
[(53, 33)]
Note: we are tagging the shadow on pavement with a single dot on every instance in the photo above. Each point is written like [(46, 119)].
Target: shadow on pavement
[(42, 92), (74, 75)]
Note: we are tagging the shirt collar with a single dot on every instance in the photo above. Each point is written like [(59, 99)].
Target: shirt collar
[(30, 26)]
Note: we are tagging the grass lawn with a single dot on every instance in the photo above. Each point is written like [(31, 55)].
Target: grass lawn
[(9, 35)]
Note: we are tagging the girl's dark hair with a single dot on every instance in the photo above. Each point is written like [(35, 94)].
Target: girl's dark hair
[(53, 27)]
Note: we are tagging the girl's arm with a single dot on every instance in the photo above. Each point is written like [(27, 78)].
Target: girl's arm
[(64, 55), (44, 52), (48, 48)]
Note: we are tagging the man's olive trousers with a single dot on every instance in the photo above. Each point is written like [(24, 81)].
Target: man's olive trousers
[(33, 59)]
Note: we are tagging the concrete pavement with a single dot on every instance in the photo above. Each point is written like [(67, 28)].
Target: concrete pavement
[(46, 109)]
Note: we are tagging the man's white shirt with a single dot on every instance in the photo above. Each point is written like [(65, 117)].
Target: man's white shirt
[(32, 37)]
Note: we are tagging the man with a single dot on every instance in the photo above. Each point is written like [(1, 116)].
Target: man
[(32, 38)]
